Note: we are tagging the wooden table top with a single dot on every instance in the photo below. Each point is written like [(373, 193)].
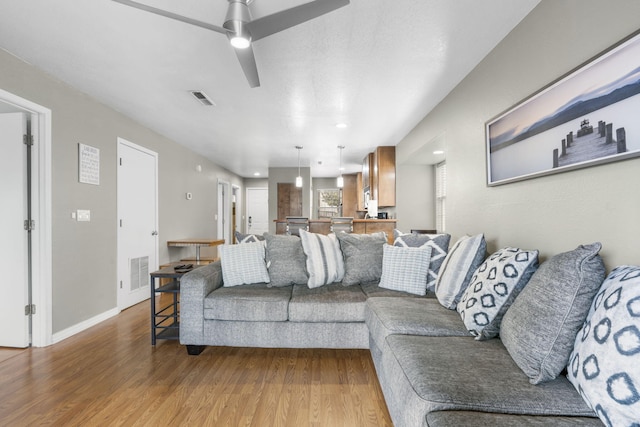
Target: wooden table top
[(195, 242)]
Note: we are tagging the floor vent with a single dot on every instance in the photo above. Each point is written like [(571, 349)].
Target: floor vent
[(139, 272), (202, 98)]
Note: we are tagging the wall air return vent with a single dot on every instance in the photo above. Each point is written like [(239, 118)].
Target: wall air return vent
[(202, 98)]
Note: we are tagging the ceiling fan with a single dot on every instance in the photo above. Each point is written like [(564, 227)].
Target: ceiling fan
[(241, 29)]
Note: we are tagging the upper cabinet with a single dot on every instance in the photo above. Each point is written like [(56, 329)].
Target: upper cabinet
[(367, 171), (383, 176)]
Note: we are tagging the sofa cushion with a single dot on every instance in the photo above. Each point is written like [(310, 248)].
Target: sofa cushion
[(285, 260), (362, 257), (324, 258), (405, 268), (372, 290), (458, 267), (460, 373), (484, 419), (603, 366), (439, 244), (411, 316), (243, 264), (248, 238), (330, 303), (250, 303), (493, 288), (540, 327)]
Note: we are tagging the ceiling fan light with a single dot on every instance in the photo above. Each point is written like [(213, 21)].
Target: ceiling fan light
[(240, 42)]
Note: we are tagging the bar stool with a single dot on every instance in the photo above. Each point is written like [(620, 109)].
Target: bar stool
[(342, 223), (295, 224)]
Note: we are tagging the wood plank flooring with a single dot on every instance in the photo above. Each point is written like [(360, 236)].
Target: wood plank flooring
[(111, 375)]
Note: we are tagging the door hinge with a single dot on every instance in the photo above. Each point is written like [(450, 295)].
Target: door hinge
[(27, 139), (29, 225), (120, 284), (120, 161), (29, 309)]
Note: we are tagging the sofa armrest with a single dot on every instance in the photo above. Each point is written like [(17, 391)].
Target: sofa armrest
[(194, 287)]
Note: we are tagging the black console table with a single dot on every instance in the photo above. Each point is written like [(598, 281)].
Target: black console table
[(165, 321)]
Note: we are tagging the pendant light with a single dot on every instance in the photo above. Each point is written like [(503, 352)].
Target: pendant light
[(340, 181), (299, 177)]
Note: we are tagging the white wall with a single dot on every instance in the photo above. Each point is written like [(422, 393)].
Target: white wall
[(415, 192), (553, 213)]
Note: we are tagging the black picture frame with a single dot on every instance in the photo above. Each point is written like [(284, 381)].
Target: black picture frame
[(589, 116)]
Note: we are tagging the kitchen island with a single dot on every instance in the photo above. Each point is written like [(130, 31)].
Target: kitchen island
[(360, 226)]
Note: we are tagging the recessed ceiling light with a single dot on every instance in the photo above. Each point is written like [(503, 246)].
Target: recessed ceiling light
[(256, 174), (341, 125), (438, 152)]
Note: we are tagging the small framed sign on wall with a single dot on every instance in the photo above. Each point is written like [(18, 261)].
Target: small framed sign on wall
[(88, 164), (587, 117)]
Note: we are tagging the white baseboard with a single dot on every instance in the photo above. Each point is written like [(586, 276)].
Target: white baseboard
[(71, 331)]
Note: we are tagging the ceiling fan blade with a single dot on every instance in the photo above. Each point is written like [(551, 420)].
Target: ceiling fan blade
[(248, 64), (279, 21), (172, 16)]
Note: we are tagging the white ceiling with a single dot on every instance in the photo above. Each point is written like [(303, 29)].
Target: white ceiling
[(378, 65)]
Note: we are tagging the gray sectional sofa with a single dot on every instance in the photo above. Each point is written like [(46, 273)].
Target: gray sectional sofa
[(432, 370)]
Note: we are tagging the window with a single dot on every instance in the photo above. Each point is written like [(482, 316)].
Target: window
[(441, 196)]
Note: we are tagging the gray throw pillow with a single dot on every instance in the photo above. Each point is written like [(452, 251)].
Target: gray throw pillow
[(285, 260), (248, 238), (540, 328), (362, 257), (439, 244)]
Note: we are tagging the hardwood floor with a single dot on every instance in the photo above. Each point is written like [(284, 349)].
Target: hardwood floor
[(111, 375)]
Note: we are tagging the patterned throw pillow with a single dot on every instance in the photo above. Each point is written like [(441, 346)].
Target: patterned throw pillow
[(462, 260), (494, 286), (541, 325), (248, 238), (243, 264), (439, 244), (362, 257), (285, 260), (405, 268), (604, 363), (324, 258)]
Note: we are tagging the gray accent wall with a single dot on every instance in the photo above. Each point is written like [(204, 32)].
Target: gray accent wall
[(554, 213), (84, 253)]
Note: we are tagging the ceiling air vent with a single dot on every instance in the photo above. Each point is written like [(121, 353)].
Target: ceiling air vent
[(202, 98)]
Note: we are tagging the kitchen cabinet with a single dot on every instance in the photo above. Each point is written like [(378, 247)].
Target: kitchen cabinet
[(349, 196), (383, 176)]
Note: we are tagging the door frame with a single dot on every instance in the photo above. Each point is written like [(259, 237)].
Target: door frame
[(133, 145), (224, 211), (41, 241)]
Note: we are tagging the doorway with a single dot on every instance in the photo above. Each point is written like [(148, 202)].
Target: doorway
[(137, 222), (30, 287), (257, 211)]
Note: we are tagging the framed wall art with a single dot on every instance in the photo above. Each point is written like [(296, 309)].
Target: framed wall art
[(587, 117)]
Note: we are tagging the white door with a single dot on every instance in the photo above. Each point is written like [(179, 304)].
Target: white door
[(137, 222), (14, 257), (257, 210)]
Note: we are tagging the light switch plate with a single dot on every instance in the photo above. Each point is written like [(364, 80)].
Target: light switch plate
[(83, 215)]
